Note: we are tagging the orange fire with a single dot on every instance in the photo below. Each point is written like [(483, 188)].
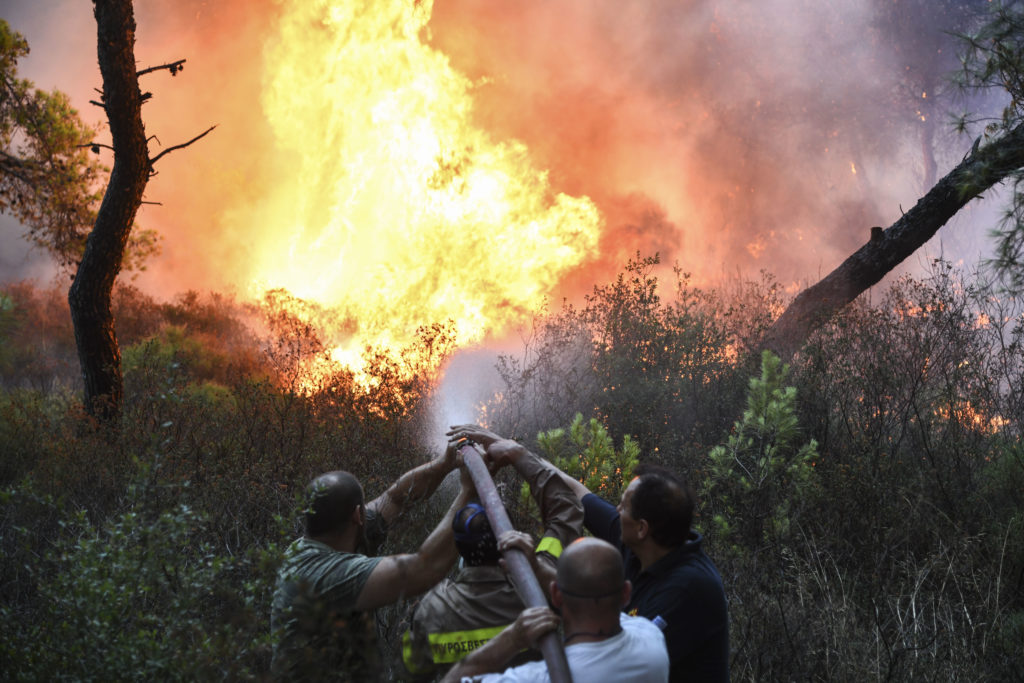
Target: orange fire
[(390, 206)]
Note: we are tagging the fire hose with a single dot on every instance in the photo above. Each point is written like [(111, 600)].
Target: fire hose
[(517, 563)]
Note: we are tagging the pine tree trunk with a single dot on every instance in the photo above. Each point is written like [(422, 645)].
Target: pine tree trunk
[(813, 307), (90, 293)]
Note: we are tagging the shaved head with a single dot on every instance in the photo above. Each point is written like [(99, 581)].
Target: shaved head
[(333, 497), (590, 573)]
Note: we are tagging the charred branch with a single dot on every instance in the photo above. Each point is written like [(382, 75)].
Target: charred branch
[(181, 146), (173, 67), (982, 168), (95, 147)]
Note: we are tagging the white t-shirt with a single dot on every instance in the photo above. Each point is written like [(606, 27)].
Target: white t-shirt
[(636, 655)]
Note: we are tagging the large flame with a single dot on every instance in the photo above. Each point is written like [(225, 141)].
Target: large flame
[(390, 204)]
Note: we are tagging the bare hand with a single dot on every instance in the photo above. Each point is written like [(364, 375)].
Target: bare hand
[(452, 457), (523, 542), (517, 540), (475, 433), (532, 623), (503, 452)]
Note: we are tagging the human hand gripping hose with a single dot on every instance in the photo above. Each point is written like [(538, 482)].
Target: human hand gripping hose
[(516, 561)]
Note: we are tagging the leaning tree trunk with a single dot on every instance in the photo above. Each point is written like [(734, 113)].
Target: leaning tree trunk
[(813, 307), (90, 293)]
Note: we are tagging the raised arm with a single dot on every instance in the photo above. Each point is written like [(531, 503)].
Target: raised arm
[(545, 572), (399, 576), (560, 506), (531, 624), (486, 438), (416, 484)]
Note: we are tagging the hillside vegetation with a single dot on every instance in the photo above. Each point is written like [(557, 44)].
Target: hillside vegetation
[(865, 503)]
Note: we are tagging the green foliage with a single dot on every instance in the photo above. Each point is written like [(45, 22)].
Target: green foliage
[(993, 61), (900, 556), (138, 596), (174, 346), (660, 370), (993, 58), (7, 324), (48, 181), (758, 478), (31, 426), (589, 456), (650, 356), (37, 340), (208, 425)]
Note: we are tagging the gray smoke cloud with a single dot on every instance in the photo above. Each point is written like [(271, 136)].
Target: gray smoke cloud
[(727, 135)]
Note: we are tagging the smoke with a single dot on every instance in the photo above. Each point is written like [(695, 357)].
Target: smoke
[(728, 136)]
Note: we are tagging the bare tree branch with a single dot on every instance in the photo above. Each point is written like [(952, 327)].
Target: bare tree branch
[(181, 146), (96, 145), (173, 67), (15, 167)]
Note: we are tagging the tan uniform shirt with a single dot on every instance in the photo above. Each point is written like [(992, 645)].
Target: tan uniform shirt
[(460, 614)]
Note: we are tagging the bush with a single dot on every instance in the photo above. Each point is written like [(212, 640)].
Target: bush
[(138, 597), (663, 372), (590, 457), (758, 480), (147, 549), (898, 556)]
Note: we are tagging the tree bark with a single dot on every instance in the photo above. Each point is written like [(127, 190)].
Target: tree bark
[(981, 169), (90, 293)]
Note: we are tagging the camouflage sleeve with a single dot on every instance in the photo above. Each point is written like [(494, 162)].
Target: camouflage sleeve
[(376, 531)]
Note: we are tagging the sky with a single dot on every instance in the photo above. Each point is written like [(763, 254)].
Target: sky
[(728, 137)]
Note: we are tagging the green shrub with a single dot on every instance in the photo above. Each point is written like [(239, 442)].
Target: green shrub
[(661, 369), (138, 596), (589, 456), (900, 556), (758, 478)]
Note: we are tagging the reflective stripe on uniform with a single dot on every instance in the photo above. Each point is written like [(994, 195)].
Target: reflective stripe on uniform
[(411, 664), (550, 544), (452, 646)]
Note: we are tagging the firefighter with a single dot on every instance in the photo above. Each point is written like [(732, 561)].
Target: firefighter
[(461, 614)]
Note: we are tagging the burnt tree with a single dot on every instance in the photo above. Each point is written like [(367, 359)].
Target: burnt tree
[(983, 167), (90, 294)]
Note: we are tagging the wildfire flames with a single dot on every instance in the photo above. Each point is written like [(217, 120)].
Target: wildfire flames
[(390, 161), (389, 205)]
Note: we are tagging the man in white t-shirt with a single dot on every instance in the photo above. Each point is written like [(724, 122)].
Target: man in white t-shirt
[(601, 643)]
